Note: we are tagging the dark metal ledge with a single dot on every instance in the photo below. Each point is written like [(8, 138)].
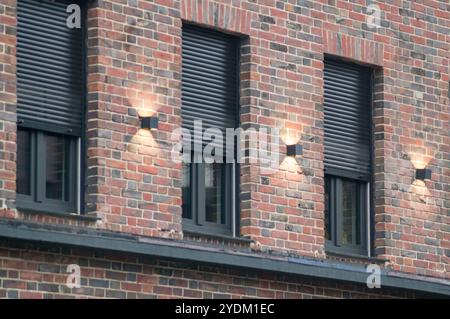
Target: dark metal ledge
[(338, 254), (179, 250), (89, 218), (241, 240)]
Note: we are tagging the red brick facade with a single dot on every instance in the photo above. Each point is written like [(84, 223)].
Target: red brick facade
[(31, 273), (133, 187), (8, 108)]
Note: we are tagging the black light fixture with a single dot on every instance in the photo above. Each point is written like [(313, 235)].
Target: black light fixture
[(149, 123), (295, 150), (423, 174)]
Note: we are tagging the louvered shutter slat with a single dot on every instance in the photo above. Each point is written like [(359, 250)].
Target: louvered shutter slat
[(209, 77), (347, 107), (49, 67)]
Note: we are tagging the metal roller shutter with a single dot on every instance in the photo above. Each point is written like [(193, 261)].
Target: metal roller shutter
[(49, 68), (347, 107), (209, 78)]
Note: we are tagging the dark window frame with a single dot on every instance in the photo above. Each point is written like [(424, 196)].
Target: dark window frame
[(37, 200), (77, 146), (197, 223), (367, 231), (197, 194), (335, 211)]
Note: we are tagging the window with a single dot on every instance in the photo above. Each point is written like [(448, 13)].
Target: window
[(46, 171), (348, 156), (209, 94), (50, 99), (345, 213)]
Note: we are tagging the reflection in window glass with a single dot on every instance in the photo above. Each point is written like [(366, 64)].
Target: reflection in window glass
[(327, 209), (213, 193), (23, 162), (55, 168), (349, 211), (186, 191)]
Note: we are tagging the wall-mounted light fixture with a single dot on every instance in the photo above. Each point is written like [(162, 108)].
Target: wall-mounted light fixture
[(423, 174), (295, 150), (149, 123)]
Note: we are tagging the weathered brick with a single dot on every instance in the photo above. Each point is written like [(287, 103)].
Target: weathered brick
[(134, 65)]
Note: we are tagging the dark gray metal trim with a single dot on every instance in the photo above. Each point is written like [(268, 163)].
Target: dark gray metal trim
[(242, 240), (341, 254), (35, 211), (180, 250)]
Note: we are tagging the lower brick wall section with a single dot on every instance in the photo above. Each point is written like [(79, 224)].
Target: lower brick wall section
[(30, 271)]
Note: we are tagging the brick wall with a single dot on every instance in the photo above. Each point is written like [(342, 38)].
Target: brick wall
[(134, 69), (134, 65), (7, 107), (31, 272)]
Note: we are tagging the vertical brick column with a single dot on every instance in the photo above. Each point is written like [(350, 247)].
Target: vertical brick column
[(285, 214), (134, 70), (8, 118)]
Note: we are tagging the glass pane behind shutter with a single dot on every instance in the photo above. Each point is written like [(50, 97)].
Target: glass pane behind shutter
[(55, 166), (186, 191), (349, 212), (23, 162), (214, 192)]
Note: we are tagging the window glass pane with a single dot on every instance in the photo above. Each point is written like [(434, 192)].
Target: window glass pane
[(349, 212), (360, 208), (55, 166), (214, 193), (186, 189), (327, 208), (23, 162)]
